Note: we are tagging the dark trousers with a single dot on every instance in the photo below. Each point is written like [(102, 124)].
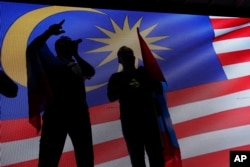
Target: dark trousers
[(54, 132), (140, 138)]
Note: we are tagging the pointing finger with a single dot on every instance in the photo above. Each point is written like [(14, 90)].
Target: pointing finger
[(61, 23)]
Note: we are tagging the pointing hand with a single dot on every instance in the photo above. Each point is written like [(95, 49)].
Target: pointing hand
[(56, 29)]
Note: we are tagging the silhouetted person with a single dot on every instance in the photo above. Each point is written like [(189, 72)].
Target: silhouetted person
[(133, 88), (66, 111), (8, 87)]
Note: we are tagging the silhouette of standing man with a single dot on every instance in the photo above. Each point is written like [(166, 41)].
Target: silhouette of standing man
[(66, 110), (133, 88)]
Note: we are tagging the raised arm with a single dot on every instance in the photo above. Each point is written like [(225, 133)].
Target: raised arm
[(87, 69), (55, 29)]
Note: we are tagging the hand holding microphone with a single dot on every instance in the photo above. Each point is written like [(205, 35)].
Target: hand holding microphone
[(77, 41), (75, 46)]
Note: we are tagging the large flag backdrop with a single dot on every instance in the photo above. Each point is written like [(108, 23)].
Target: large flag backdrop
[(205, 60)]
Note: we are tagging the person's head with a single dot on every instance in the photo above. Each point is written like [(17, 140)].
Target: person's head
[(63, 47), (126, 56)]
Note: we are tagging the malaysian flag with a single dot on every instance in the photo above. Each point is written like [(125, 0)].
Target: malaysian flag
[(204, 59)]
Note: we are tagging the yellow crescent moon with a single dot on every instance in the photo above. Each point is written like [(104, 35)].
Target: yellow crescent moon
[(15, 41)]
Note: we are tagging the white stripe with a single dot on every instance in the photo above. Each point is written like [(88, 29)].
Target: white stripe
[(19, 151), (106, 131), (202, 108), (237, 70), (120, 162), (101, 133), (219, 32), (190, 146), (231, 45), (27, 149), (214, 141), (222, 17), (109, 131)]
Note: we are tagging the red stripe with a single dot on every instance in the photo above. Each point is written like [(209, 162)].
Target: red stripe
[(104, 152), (110, 150), (239, 33), (110, 112), (222, 120), (220, 23), (207, 91), (216, 159), (21, 128), (18, 129), (104, 113), (234, 57)]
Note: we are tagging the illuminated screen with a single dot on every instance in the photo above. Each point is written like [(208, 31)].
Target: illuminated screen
[(205, 60)]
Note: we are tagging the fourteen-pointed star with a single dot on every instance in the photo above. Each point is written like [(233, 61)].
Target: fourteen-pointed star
[(126, 36)]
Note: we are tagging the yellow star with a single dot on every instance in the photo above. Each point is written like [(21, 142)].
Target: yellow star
[(126, 36)]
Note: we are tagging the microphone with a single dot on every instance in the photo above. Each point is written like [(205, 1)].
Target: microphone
[(78, 41)]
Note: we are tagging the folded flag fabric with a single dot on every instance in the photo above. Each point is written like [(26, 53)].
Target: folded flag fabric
[(171, 152), (37, 84)]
